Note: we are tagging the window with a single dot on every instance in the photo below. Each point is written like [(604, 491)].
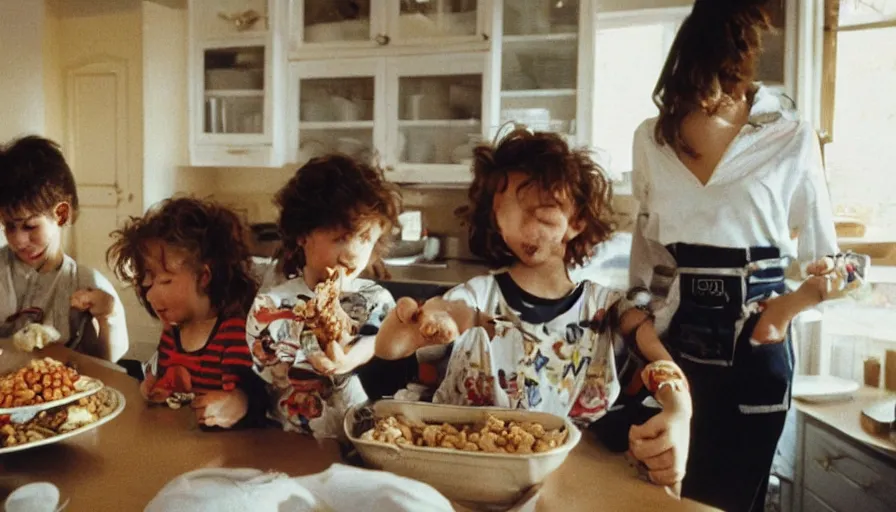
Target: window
[(631, 48), (861, 105)]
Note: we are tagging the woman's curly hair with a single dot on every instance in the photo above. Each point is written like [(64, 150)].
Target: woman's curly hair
[(716, 49), (209, 233), (551, 164), (333, 191)]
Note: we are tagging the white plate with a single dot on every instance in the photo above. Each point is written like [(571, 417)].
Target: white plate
[(822, 388), (85, 386), (72, 433)]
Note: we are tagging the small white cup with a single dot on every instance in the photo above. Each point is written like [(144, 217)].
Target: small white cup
[(34, 497)]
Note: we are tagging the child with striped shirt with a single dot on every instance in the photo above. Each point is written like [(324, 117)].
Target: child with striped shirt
[(189, 263)]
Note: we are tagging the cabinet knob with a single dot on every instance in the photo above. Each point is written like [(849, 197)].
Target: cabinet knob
[(382, 39), (389, 168), (484, 36)]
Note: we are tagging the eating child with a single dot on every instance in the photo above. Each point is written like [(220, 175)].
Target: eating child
[(308, 334), (39, 283), (189, 264), (527, 337)]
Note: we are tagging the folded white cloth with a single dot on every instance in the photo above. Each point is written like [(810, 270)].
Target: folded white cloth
[(340, 488)]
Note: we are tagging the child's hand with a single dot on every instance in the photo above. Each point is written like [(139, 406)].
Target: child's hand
[(99, 303), (220, 408), (146, 387), (662, 445)]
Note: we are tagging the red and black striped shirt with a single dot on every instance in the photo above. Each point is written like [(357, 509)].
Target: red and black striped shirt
[(219, 365)]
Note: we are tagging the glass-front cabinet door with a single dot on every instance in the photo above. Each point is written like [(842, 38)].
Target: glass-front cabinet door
[(322, 24), (339, 105), (776, 62), (539, 48), (234, 92), (435, 116), (421, 21)]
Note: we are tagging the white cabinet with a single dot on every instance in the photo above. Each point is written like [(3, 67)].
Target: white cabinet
[(417, 115), (546, 79), (323, 28), (235, 65)]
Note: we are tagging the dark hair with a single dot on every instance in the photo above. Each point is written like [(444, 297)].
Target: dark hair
[(551, 164), (715, 50), (209, 233), (334, 191), (34, 177)]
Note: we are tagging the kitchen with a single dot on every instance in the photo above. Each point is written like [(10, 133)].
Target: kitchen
[(224, 98)]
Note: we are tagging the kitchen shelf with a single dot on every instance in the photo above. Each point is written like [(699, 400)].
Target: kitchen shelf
[(439, 123), (336, 125), (532, 39), (538, 93), (235, 93)]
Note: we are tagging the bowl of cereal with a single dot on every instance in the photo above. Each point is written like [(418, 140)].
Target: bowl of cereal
[(482, 455)]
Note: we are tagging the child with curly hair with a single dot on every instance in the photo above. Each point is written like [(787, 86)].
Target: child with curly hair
[(527, 336), (310, 333), (189, 264)]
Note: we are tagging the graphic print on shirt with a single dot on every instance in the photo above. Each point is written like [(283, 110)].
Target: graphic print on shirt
[(301, 399), (562, 366)]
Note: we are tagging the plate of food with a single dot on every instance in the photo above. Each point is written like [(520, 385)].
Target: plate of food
[(42, 384), (823, 388), (510, 451), (61, 422)]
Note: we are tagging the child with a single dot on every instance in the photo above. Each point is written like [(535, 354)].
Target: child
[(335, 214), (528, 337), (189, 264), (39, 283)]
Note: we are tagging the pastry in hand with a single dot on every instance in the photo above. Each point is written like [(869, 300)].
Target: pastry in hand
[(323, 314), (35, 336)]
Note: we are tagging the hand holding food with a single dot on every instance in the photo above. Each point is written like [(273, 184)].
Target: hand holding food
[(34, 337), (323, 314), (411, 326)]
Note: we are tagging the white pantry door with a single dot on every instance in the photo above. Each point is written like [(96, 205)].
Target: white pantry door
[(97, 151)]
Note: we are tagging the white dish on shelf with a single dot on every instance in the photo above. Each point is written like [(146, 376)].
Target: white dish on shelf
[(822, 388), (121, 402)]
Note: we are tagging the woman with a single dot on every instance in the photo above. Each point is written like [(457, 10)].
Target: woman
[(731, 191)]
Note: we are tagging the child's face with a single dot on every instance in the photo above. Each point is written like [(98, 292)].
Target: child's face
[(173, 287), (533, 224), (337, 247), (35, 237)]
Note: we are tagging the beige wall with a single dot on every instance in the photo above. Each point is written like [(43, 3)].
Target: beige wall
[(21, 68), (165, 144)]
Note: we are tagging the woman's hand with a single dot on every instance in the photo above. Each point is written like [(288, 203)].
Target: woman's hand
[(220, 408)]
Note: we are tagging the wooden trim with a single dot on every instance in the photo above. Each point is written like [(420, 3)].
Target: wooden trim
[(866, 26), (829, 71)]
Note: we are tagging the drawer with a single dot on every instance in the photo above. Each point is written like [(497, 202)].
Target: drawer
[(812, 503), (234, 155), (845, 476)]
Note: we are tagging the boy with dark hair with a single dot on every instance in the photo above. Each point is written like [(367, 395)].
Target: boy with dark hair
[(39, 283)]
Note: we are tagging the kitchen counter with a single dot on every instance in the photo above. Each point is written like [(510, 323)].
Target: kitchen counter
[(446, 273), (845, 416), (124, 463)]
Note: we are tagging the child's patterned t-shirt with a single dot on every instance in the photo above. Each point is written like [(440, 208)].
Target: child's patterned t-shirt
[(302, 400), (553, 356)]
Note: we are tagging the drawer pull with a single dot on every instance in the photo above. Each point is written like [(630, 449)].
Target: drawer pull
[(827, 464), (234, 151)]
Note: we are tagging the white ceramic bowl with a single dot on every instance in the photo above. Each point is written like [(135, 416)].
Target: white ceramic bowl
[(33, 497), (477, 477)]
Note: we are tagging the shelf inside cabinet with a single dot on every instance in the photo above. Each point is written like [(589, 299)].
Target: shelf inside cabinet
[(235, 93), (336, 125), (538, 93), (539, 39), (439, 123)]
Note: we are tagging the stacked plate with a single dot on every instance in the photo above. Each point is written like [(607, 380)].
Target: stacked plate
[(90, 405)]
